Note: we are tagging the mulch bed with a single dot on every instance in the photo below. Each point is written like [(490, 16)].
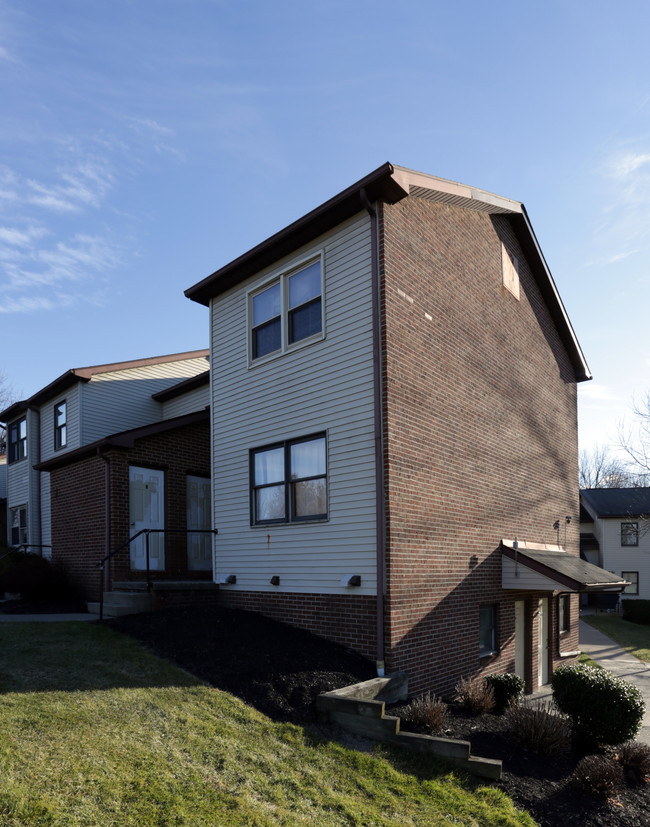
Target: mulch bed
[(281, 670)]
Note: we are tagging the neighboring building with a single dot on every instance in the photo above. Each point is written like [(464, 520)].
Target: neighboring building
[(77, 409), (615, 534), (393, 391), (3, 496)]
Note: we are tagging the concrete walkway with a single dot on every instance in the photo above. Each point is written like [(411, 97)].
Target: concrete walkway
[(621, 664), (53, 618)]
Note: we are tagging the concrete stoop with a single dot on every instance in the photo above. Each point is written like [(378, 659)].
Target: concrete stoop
[(117, 604), (361, 709)]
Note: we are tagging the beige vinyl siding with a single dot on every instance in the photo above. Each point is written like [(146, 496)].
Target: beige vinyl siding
[(325, 386), (71, 397), (196, 400), (121, 399)]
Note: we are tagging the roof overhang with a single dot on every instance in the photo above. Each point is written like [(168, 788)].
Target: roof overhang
[(541, 568), (123, 440)]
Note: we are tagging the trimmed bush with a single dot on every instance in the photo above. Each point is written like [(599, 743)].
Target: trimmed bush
[(540, 728), (603, 709), (635, 760), (637, 611), (426, 711), (598, 775), (474, 694), (508, 688)]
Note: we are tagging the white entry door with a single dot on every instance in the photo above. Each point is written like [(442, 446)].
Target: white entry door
[(199, 546), (147, 510), (520, 638), (542, 642)]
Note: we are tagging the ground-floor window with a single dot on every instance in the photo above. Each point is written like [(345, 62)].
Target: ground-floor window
[(563, 613), (633, 577), (18, 523), (488, 630)]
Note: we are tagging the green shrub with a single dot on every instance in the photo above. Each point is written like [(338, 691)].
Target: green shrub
[(474, 694), (637, 611), (508, 688), (598, 775), (541, 728), (603, 709), (426, 711)]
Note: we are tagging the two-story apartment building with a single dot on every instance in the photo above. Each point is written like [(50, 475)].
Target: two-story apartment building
[(78, 408), (393, 402), (615, 534)]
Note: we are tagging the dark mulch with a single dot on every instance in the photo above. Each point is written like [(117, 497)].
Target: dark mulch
[(280, 670)]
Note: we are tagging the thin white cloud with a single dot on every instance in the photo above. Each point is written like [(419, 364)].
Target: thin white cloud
[(623, 165), (85, 185), (21, 238), (595, 392)]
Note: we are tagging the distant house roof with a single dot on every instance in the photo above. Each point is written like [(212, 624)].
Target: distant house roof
[(617, 502), (390, 184), (70, 377)]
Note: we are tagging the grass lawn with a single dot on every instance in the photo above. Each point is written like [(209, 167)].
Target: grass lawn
[(94, 731), (633, 637)]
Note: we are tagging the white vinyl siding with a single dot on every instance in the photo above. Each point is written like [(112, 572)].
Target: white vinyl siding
[(120, 400), (3, 478), (618, 558), (323, 387), (196, 400)]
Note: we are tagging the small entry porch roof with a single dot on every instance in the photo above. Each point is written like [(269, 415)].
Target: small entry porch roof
[(540, 567)]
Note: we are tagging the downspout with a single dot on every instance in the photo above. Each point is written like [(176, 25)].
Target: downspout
[(380, 523), (107, 516), (36, 429)]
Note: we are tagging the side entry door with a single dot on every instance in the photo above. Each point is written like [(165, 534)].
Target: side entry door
[(147, 510), (199, 546)]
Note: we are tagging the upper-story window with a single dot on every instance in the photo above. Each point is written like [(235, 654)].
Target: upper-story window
[(287, 311), (60, 425), (18, 440), (629, 534)]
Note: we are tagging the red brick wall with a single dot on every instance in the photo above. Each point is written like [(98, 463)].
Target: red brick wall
[(480, 435), (78, 504), (78, 521), (346, 619)]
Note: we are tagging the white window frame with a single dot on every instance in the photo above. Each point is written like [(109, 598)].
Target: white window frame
[(16, 510), (563, 614), (60, 429), (282, 278)]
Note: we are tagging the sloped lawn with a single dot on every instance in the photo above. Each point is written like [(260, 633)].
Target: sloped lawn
[(95, 731)]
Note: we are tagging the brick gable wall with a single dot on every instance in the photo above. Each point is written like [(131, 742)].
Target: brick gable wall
[(480, 437)]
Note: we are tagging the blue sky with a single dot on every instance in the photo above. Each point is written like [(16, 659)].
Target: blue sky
[(145, 143)]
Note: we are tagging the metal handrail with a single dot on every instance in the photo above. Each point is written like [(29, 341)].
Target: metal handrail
[(146, 532)]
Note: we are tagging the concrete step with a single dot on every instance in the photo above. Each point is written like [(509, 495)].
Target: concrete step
[(117, 604)]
